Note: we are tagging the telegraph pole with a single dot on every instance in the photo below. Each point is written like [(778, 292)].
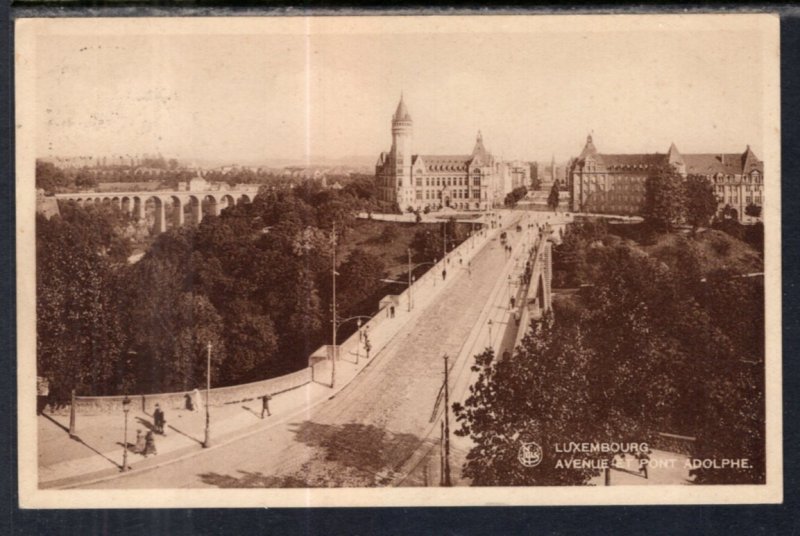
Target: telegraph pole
[(333, 277), (409, 280), (447, 481)]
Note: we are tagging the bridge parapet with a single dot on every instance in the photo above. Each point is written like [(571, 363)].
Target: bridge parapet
[(537, 299)]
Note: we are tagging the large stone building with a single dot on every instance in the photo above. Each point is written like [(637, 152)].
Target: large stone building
[(615, 183), (462, 181)]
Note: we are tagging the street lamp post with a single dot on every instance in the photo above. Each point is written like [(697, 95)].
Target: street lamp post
[(490, 333), (333, 307), (126, 407), (207, 441)]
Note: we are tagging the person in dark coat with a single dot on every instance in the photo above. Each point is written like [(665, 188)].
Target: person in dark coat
[(265, 405), (149, 444), (158, 419)]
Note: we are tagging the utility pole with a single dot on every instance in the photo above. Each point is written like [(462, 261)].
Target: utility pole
[(441, 456), (333, 277), (207, 442), (444, 241), (409, 280), (447, 481)]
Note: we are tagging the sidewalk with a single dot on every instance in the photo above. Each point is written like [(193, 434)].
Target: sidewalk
[(96, 453)]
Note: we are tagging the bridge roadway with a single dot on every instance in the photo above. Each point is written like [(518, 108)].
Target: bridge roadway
[(379, 430)]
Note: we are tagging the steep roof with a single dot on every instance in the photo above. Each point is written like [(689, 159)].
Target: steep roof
[(588, 149), (632, 161), (458, 162), (401, 114), (727, 163)]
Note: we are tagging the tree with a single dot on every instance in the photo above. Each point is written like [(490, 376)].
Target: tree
[(553, 198), (701, 203), (80, 335), (753, 210), (50, 178), (359, 279), (664, 199), (426, 245), (541, 394), (84, 179)]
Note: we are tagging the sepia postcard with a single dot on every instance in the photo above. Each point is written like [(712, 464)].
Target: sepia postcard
[(415, 261)]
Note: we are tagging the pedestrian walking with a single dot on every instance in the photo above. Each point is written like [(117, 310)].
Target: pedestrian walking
[(265, 405), (513, 301), (444, 274), (197, 400), (189, 405), (138, 448), (158, 420), (391, 311), (149, 444)]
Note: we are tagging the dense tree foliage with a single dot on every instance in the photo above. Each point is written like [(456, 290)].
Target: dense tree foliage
[(701, 203), (253, 282), (753, 210), (665, 199), (652, 349), (514, 196)]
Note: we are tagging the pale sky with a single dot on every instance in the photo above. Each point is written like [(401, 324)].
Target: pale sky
[(244, 97)]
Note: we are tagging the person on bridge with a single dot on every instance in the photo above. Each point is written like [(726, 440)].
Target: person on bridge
[(140, 443), (158, 420), (265, 405), (149, 444), (197, 400)]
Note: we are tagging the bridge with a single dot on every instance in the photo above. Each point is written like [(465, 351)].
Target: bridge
[(187, 205)]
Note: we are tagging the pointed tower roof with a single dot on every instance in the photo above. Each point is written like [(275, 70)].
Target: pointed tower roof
[(588, 149), (749, 160), (673, 156), (401, 114), (479, 151)]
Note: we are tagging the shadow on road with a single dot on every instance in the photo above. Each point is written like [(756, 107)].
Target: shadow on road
[(369, 455), (354, 455), (81, 441)]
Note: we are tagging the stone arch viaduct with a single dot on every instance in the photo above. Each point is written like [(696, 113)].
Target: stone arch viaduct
[(182, 207)]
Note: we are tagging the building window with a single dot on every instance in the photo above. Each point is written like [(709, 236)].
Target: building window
[(419, 194), (476, 181)]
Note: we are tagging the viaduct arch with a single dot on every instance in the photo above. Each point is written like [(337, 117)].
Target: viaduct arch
[(169, 208)]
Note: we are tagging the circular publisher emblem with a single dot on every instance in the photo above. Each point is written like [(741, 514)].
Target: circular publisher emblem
[(530, 454)]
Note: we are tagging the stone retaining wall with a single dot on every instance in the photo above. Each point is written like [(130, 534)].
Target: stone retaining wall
[(219, 396)]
